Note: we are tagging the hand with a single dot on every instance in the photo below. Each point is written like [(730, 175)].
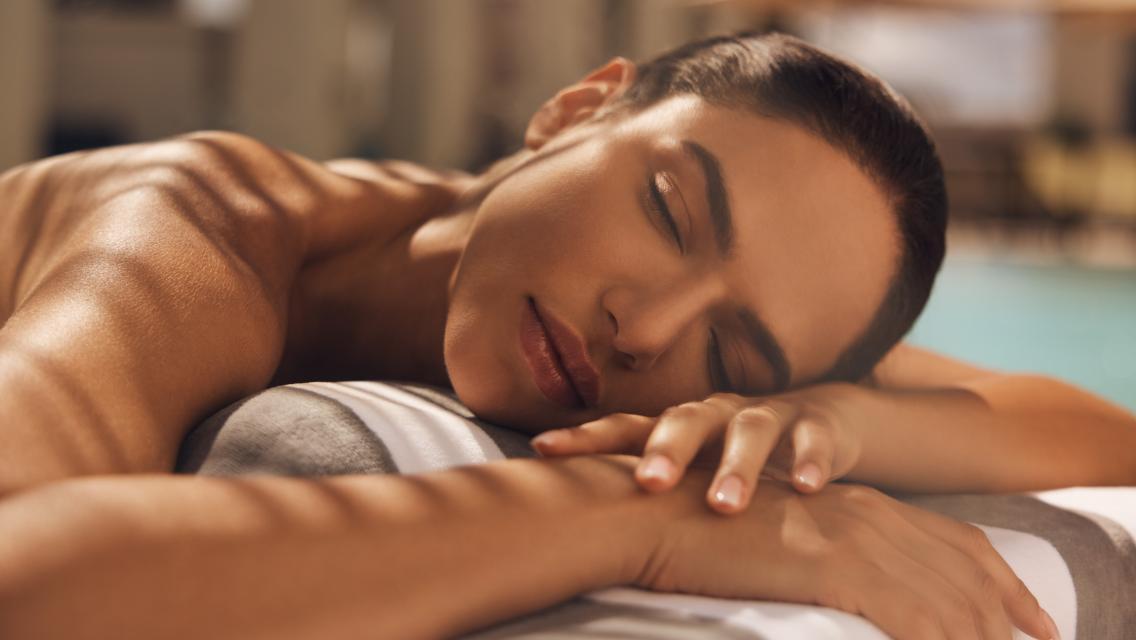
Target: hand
[(915, 574), (806, 437)]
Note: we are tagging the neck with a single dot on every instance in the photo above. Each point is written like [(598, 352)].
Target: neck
[(377, 310), (416, 296)]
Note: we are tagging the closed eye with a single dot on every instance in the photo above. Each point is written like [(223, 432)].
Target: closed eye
[(719, 379), (657, 204)]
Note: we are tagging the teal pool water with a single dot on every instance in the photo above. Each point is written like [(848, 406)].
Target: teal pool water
[(1078, 324)]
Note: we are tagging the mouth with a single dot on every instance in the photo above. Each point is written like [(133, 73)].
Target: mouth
[(558, 359)]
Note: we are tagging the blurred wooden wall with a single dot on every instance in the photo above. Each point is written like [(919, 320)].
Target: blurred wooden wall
[(24, 51)]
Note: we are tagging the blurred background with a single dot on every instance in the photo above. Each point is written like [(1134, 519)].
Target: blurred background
[(1032, 102)]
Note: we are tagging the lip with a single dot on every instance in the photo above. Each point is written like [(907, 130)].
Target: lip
[(558, 359)]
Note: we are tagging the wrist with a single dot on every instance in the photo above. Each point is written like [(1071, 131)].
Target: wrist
[(861, 419), (631, 527), (667, 518), (622, 523)]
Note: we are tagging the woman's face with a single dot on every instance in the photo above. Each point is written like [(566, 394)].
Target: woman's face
[(684, 249)]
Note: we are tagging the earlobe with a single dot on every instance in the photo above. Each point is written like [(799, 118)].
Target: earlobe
[(579, 102)]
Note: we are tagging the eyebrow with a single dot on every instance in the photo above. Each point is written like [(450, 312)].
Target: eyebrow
[(718, 203), (716, 196)]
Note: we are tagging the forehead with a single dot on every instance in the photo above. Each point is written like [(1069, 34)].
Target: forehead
[(815, 236)]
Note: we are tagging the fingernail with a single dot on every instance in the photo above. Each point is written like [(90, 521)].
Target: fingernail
[(1050, 625), (656, 467), (809, 475), (729, 491)]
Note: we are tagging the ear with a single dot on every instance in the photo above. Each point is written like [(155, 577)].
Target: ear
[(580, 101)]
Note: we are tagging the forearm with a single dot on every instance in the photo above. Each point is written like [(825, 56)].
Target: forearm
[(995, 433), (361, 556)]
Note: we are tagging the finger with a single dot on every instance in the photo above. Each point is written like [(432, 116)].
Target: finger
[(678, 435), (813, 451), (959, 569), (1020, 603), (750, 437), (919, 604), (616, 433)]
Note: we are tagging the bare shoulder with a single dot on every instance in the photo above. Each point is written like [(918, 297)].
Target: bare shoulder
[(142, 287), (215, 189)]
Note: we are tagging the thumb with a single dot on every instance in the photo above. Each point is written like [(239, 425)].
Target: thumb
[(813, 450)]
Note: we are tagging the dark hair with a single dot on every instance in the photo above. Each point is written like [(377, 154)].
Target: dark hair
[(783, 77)]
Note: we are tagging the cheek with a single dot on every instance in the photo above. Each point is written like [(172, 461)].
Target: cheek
[(567, 247)]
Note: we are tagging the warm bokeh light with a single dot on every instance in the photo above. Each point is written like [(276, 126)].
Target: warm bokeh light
[(1033, 104)]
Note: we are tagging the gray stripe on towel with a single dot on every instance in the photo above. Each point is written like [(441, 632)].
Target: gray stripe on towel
[(284, 431), (1098, 552)]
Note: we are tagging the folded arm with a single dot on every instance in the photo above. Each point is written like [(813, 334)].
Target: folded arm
[(444, 553), (387, 557), (931, 423), (922, 423)]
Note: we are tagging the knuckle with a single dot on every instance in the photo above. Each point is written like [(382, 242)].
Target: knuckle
[(726, 398), (683, 411), (1022, 591), (634, 423), (593, 430), (977, 540), (985, 585), (759, 416), (594, 425), (817, 425)]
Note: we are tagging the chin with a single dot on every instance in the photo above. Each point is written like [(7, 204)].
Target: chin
[(500, 408), (485, 372), (492, 396), (481, 385)]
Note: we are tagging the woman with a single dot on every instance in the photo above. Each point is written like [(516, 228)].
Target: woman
[(664, 236)]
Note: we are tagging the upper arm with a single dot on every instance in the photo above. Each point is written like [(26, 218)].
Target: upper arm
[(908, 367), (151, 287)]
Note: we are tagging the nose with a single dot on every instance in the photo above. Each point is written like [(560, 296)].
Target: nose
[(649, 319)]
